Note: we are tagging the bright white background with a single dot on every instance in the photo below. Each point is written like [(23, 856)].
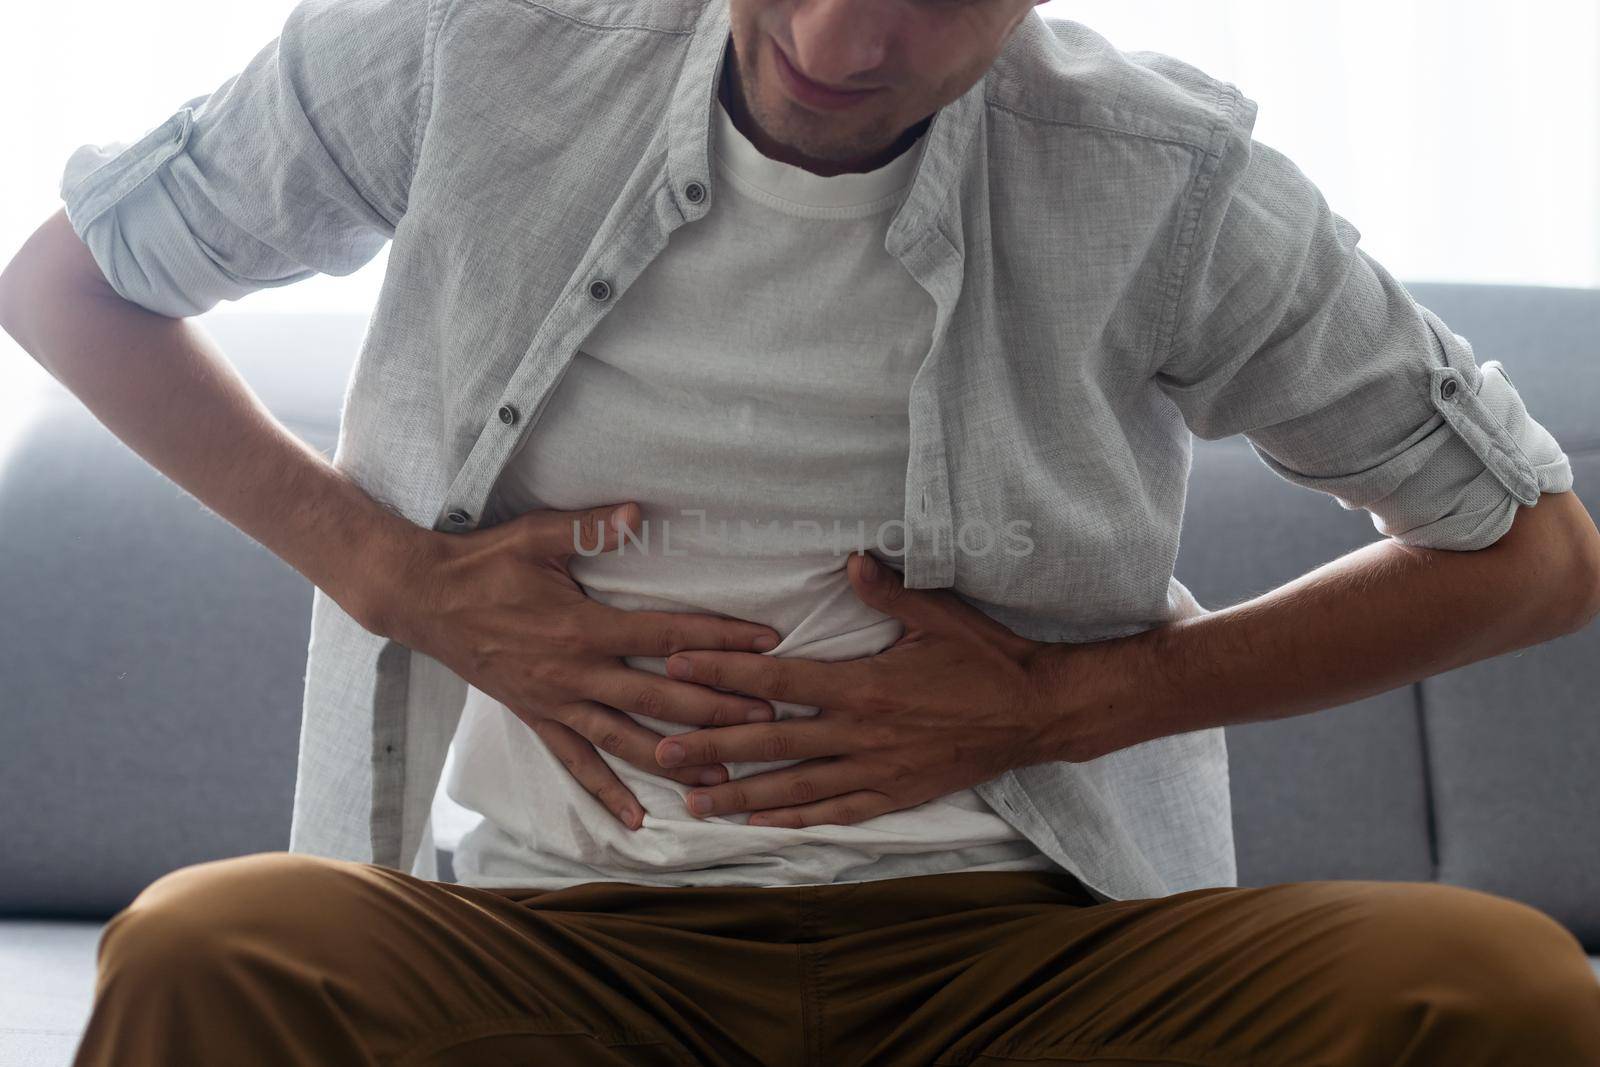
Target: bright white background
[(1461, 137)]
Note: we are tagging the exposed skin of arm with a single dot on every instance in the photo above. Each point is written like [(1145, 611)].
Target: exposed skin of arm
[(957, 702), (1380, 617)]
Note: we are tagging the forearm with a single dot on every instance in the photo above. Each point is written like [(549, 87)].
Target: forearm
[(163, 387), (1380, 617)]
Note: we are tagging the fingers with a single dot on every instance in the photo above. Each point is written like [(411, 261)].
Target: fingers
[(845, 810), (609, 730), (805, 783), (772, 742), (583, 762), (552, 532), (793, 680), (661, 633), (642, 693), (883, 587)]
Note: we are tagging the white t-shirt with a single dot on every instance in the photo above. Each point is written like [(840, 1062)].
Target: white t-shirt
[(750, 391)]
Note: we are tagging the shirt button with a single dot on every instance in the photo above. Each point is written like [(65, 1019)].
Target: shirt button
[(508, 414), (1448, 389), (694, 192), (459, 517), (600, 289)]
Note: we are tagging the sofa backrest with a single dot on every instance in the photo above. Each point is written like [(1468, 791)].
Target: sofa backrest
[(152, 657)]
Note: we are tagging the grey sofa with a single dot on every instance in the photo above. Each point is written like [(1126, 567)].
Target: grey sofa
[(151, 663)]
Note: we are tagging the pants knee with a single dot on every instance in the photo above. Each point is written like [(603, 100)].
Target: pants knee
[(1482, 962), (187, 925)]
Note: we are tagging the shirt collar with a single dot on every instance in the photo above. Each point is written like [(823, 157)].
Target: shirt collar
[(944, 160)]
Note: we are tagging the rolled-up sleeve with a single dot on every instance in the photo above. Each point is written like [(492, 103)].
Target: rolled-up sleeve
[(299, 164), (1289, 334)]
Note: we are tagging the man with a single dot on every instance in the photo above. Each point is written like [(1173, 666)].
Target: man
[(946, 272)]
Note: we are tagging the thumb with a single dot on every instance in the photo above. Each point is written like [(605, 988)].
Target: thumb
[(586, 531), (882, 587)]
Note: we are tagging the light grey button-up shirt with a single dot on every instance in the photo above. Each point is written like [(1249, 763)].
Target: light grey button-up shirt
[(1116, 264)]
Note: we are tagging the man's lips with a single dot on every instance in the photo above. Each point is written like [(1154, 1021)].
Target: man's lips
[(809, 92)]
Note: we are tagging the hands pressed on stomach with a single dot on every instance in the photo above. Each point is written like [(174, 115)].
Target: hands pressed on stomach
[(499, 607)]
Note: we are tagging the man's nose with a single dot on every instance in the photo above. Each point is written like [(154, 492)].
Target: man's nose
[(841, 43)]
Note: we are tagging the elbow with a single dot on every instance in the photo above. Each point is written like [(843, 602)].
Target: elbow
[(1558, 547), (52, 269), (1584, 553), (11, 285), (1588, 582), (23, 293), (19, 294)]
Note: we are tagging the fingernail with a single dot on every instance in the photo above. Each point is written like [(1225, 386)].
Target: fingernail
[(679, 668), (869, 566), (699, 804), (710, 778), (765, 643), (670, 755), (755, 715)]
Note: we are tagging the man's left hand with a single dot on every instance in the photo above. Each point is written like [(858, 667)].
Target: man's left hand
[(957, 700)]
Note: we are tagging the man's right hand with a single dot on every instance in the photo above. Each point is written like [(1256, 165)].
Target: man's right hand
[(498, 606)]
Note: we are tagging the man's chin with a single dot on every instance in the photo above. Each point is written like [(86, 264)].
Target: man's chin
[(794, 129)]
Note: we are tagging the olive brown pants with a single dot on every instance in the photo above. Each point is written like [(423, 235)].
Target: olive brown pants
[(288, 959)]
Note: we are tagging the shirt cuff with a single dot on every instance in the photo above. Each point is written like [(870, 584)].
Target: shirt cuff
[(1454, 484), (97, 176), (1467, 495), (120, 206)]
